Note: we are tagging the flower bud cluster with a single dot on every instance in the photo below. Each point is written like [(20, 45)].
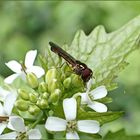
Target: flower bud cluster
[(47, 92)]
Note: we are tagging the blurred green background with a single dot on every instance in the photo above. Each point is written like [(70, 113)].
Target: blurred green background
[(28, 25)]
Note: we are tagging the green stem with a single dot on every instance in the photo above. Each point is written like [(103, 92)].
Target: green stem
[(37, 121), (50, 136), (76, 95), (30, 120)]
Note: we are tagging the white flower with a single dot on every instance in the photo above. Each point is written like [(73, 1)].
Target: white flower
[(20, 131), (3, 94), (21, 69), (90, 97), (8, 99), (71, 125)]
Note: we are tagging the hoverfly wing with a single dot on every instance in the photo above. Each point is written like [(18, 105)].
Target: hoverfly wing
[(56, 49)]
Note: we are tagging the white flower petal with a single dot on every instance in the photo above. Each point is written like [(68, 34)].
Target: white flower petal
[(98, 107), (88, 126), (9, 103), (38, 71), (1, 110), (3, 94), (34, 134), (84, 98), (9, 136), (30, 58), (17, 123), (11, 78), (99, 92), (2, 127), (70, 108), (10, 126), (89, 84), (55, 124), (23, 76), (72, 135), (14, 66)]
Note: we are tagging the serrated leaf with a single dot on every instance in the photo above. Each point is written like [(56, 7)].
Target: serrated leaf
[(120, 135), (105, 53), (101, 117)]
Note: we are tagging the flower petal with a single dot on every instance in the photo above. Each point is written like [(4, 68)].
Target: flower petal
[(38, 71), (72, 135), (14, 66), (17, 123), (88, 126), (55, 124), (89, 84), (1, 110), (9, 103), (11, 78), (70, 108), (98, 107), (3, 94), (34, 134), (23, 76), (7, 136), (30, 58), (84, 98), (2, 126), (99, 92)]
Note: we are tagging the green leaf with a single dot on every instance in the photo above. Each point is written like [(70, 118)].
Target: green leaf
[(52, 59), (88, 136), (1, 81), (105, 53), (43, 62), (43, 131), (105, 100), (101, 117), (120, 135)]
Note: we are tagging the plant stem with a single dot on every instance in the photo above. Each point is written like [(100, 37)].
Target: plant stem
[(37, 121), (50, 136)]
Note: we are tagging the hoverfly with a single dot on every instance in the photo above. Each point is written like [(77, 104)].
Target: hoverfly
[(78, 67)]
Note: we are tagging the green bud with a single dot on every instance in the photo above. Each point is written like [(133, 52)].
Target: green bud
[(45, 95), (54, 97), (33, 97), (22, 105), (54, 84), (67, 70), (51, 113), (43, 103), (42, 87), (32, 80), (67, 82), (51, 74), (23, 94), (76, 81), (38, 102), (33, 109)]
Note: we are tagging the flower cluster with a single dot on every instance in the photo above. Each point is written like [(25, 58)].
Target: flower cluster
[(51, 98)]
